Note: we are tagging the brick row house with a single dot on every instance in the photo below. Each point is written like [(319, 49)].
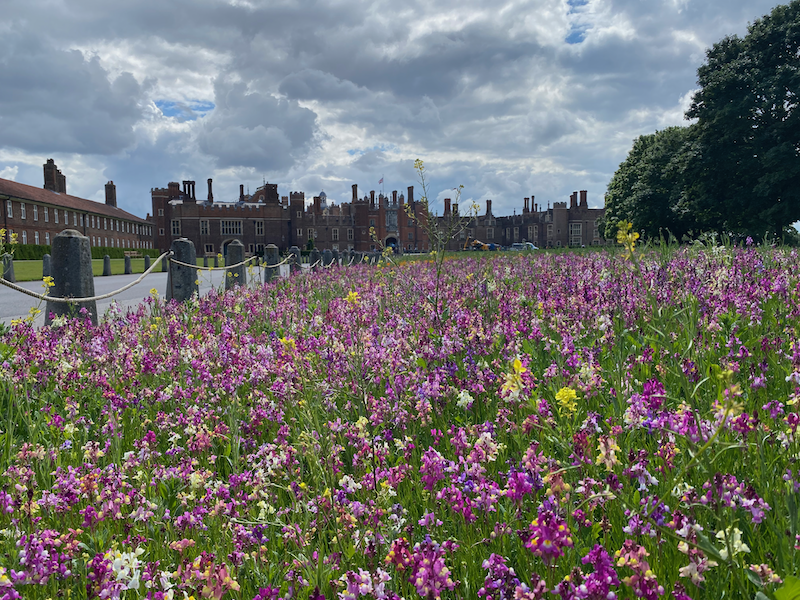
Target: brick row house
[(37, 215)]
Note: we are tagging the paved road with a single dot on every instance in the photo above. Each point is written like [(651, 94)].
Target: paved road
[(15, 305)]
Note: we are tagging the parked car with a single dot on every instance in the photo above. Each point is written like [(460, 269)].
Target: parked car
[(522, 246)]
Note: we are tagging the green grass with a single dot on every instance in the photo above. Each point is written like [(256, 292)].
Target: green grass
[(31, 270)]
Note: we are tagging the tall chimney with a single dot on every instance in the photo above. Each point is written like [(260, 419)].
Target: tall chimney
[(372, 199), (194, 197), (241, 192), (525, 206), (394, 196), (411, 195), (488, 207), (355, 193), (111, 194), (54, 180), (210, 193), (573, 200), (446, 206), (584, 203)]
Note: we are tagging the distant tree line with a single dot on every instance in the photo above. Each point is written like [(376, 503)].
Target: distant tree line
[(736, 169)]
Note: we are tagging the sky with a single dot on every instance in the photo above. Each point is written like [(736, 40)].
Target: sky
[(510, 99)]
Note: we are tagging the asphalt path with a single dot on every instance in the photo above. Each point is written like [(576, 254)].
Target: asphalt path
[(16, 305)]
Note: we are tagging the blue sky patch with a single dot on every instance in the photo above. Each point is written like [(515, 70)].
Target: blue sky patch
[(184, 111)]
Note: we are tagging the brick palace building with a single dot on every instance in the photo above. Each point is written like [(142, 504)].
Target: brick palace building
[(265, 218)]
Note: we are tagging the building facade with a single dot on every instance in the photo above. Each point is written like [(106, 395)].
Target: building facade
[(559, 226), (362, 224), (265, 218), (37, 215)]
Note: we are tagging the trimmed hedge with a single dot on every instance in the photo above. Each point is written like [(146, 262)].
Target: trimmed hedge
[(37, 251)]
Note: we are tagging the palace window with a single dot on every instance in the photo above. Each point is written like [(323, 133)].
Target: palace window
[(231, 227), (36, 237), (23, 213), (209, 248), (349, 234), (335, 235), (299, 232), (24, 237), (259, 227), (35, 214), (490, 233), (516, 234), (55, 216), (176, 226), (10, 209), (47, 238), (575, 231), (203, 227), (46, 215)]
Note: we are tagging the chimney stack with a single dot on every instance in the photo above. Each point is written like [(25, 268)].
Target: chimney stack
[(54, 180), (241, 192), (573, 200), (111, 194), (318, 205), (210, 193), (584, 203), (526, 206), (355, 193), (394, 197), (372, 199), (488, 208), (446, 207), (411, 195)]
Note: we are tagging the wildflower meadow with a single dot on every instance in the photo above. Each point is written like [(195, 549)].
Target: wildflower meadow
[(577, 425)]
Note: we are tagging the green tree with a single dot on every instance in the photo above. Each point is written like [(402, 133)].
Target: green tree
[(651, 188), (748, 128)]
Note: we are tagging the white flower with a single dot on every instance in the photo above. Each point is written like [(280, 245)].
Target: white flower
[(734, 536)]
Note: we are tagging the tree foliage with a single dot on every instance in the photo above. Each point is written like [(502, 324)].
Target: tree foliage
[(737, 169)]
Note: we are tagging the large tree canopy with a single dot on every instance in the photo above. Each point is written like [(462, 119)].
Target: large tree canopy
[(737, 170), (749, 125), (650, 189)]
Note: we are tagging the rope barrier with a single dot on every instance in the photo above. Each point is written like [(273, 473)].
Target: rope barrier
[(183, 264), (311, 267), (92, 298)]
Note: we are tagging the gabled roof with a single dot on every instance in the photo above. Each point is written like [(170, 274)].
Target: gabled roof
[(20, 191)]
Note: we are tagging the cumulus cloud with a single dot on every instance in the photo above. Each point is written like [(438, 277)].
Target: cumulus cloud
[(60, 101), (254, 129), (512, 99)]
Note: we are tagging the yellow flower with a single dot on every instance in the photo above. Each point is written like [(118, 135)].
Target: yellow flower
[(352, 298), (288, 343), (608, 448), (566, 399), (626, 237)]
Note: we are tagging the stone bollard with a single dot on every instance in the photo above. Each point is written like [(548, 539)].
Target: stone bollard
[(205, 261), (327, 257), (335, 257), (71, 270), (315, 259), (128, 269), (182, 281), (236, 275), (146, 262), (106, 265), (8, 268), (216, 260), (295, 265), (46, 266), (165, 265), (271, 252)]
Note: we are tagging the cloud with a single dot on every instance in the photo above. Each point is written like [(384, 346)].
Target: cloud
[(60, 101), (510, 98), (254, 129)]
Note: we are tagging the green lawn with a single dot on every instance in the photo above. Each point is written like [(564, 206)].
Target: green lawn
[(31, 270)]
